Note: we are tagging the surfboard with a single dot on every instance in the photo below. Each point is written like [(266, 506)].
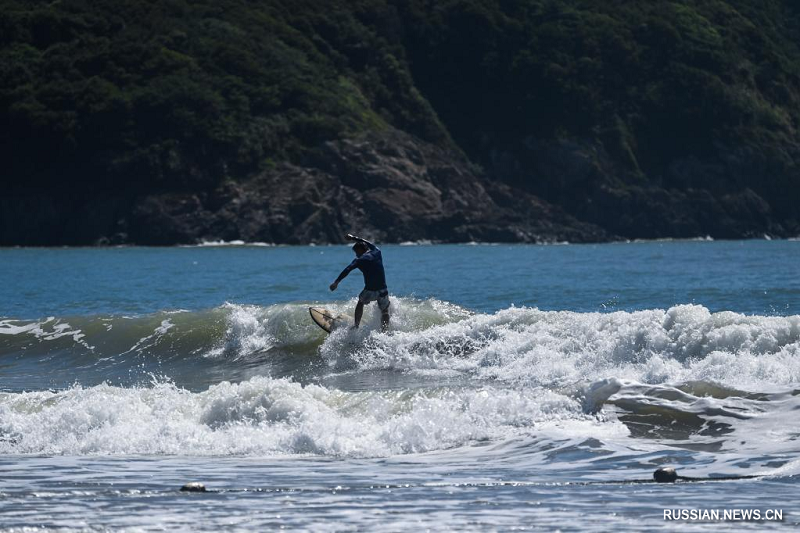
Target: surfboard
[(327, 320)]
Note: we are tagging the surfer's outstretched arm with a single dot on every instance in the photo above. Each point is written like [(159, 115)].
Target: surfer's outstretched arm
[(359, 239), (349, 268)]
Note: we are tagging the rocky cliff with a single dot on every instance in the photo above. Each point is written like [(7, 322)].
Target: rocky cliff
[(391, 187), (298, 121)]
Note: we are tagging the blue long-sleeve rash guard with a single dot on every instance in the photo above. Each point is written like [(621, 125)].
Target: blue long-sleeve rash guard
[(371, 265)]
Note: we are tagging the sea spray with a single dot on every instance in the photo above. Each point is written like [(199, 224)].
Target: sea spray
[(271, 416), (526, 345)]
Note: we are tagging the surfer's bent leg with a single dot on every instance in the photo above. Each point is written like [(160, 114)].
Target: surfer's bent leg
[(359, 312), (363, 299), (367, 296), (383, 304)]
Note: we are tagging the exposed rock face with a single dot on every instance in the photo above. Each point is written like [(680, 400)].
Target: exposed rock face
[(390, 186), (394, 188), (645, 119)]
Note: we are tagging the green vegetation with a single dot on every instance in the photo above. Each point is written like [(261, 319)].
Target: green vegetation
[(178, 94), (144, 95), (654, 82)]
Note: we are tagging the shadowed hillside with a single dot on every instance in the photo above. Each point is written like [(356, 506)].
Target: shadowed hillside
[(171, 122), (651, 119)]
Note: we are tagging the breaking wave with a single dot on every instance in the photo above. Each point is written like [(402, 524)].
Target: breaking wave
[(249, 380), (543, 348), (266, 416)]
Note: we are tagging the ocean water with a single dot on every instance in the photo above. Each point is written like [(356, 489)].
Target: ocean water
[(519, 388)]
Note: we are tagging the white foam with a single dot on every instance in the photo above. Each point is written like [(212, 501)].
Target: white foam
[(235, 242), (246, 332), (149, 341), (547, 348), (49, 329), (12, 327), (542, 348), (272, 416), (251, 330), (699, 238)]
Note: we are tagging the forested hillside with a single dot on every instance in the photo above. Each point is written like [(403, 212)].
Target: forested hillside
[(290, 121)]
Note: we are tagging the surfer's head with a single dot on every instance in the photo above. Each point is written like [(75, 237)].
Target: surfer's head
[(360, 249)]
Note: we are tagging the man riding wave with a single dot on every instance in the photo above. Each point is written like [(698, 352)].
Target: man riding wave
[(370, 262)]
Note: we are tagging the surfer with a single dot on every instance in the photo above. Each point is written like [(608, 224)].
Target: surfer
[(369, 261)]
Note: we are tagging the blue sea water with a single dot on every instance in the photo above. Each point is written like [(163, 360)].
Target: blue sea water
[(752, 277), (519, 387)]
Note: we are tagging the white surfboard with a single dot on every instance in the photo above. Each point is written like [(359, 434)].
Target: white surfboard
[(327, 320)]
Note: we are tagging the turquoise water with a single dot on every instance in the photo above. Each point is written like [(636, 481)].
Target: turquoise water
[(753, 277), (518, 387)]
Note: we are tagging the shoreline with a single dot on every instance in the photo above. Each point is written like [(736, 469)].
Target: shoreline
[(421, 242)]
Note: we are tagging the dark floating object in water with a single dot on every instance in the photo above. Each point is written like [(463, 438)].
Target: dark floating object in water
[(194, 486), (666, 474)]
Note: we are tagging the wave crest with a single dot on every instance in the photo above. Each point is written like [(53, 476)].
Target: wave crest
[(542, 348), (269, 416)]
